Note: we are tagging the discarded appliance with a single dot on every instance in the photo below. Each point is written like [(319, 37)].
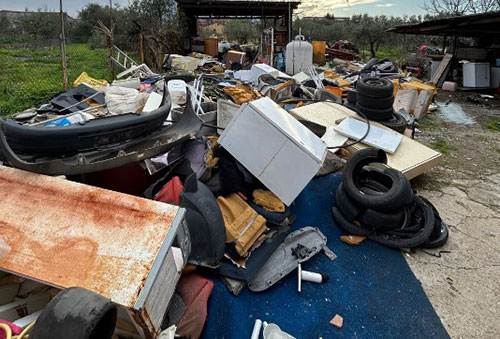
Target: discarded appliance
[(299, 56), (116, 245), (276, 148)]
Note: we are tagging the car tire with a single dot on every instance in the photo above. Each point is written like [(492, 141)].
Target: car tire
[(398, 196), (375, 114), (345, 205), (397, 123), (414, 240), (78, 313), (352, 96), (440, 240), (376, 103), (348, 227), (375, 87)]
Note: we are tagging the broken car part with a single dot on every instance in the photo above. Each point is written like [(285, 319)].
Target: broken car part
[(105, 152), (306, 242)]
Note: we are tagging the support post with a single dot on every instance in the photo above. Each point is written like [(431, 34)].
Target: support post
[(141, 47), (63, 49), (112, 40)]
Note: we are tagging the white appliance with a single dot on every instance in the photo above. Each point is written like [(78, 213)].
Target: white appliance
[(299, 56), (275, 147), (476, 74)]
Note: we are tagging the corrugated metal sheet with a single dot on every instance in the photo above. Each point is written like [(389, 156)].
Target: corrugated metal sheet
[(68, 234)]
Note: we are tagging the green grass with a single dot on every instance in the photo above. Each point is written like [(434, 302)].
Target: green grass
[(494, 126), (28, 77), (442, 146)]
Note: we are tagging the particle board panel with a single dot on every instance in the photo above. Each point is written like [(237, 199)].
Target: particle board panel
[(412, 158)]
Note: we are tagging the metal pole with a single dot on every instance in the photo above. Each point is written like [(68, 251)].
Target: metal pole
[(289, 22), (112, 40), (63, 48)]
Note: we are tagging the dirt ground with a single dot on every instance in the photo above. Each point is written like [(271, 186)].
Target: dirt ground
[(463, 280)]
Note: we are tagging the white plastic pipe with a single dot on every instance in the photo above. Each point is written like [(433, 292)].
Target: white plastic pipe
[(256, 329), (310, 276)]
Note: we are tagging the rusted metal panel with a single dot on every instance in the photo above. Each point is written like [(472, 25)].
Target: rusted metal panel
[(67, 234)]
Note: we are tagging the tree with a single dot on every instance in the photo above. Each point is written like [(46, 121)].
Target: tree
[(242, 31), (371, 30), (460, 7)]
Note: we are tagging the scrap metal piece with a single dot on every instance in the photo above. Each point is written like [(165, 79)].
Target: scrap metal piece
[(283, 261)]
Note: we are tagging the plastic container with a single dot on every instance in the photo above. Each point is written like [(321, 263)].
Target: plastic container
[(319, 52), (212, 46), (299, 56)]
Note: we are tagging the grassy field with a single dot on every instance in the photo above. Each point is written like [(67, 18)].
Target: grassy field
[(28, 77)]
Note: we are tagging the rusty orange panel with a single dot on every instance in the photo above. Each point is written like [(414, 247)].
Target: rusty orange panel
[(68, 234)]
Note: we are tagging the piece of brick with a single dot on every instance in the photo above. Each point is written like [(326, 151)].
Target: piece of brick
[(337, 321), (352, 239)]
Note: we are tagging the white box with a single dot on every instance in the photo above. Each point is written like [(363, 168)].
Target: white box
[(276, 148), (476, 74)]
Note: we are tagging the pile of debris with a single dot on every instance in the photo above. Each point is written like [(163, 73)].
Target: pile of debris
[(232, 144)]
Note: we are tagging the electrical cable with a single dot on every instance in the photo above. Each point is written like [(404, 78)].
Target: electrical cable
[(7, 329), (24, 333), (359, 140)]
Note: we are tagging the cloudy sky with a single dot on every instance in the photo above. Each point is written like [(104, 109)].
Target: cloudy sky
[(309, 7)]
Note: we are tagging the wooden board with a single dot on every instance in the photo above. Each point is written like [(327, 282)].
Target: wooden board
[(67, 234), (411, 157), (443, 66)]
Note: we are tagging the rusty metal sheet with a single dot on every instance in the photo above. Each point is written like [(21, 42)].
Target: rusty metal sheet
[(67, 234)]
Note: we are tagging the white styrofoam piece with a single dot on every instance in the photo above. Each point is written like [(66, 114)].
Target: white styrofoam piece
[(276, 148), (153, 102), (226, 110), (243, 75), (378, 137), (405, 99), (332, 139), (259, 69), (178, 91)]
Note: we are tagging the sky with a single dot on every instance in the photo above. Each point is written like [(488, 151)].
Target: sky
[(340, 8)]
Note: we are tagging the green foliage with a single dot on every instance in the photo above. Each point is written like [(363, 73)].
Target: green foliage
[(494, 126), (441, 145), (30, 77), (243, 31)]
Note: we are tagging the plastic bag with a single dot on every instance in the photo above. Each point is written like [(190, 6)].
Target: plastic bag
[(121, 100), (4, 248)]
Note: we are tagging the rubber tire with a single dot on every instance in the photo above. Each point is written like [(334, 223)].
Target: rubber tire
[(347, 208), (375, 87), (392, 69), (440, 240), (397, 123), (383, 221), (375, 114), (352, 96), (418, 237), (78, 313), (398, 196), (348, 227), (376, 103)]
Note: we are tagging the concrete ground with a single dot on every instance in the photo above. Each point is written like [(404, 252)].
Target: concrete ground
[(463, 282)]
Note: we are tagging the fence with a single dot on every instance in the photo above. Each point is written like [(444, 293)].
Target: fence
[(31, 68)]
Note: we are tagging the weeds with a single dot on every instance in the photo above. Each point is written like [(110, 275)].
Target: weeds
[(442, 146), (494, 126)]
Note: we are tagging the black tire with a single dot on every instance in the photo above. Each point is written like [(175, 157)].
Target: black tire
[(348, 227), (414, 240), (398, 196), (77, 313), (377, 103), (397, 123), (381, 221), (439, 240), (392, 69), (375, 114), (345, 205), (372, 62), (375, 87), (352, 96)]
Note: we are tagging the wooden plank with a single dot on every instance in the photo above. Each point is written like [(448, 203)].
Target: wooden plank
[(67, 234), (441, 69)]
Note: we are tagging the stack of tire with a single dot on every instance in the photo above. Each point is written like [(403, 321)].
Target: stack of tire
[(374, 98), (381, 205)]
